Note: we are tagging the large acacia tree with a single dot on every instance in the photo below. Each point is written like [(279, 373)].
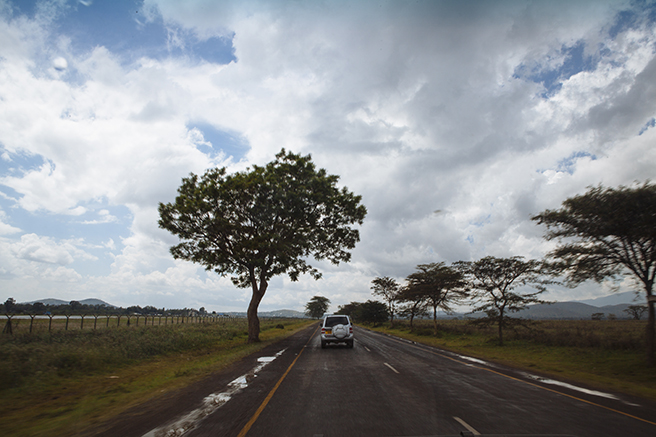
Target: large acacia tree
[(604, 233), (439, 284), (413, 303), (498, 286), (263, 222)]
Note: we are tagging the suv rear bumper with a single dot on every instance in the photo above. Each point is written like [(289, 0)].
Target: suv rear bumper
[(328, 339)]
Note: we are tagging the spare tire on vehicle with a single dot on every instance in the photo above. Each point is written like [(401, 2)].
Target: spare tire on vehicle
[(340, 331)]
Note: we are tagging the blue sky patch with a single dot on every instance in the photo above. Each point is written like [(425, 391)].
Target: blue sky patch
[(122, 27), (575, 61), (15, 164), (568, 165), (649, 124), (231, 144)]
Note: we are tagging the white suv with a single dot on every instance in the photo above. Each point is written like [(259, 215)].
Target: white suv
[(336, 329)]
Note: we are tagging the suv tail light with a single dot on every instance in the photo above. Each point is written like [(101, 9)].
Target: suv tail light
[(351, 330)]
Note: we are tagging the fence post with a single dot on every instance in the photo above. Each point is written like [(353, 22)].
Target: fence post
[(118, 320), (68, 316), (50, 323), (108, 316), (8, 329), (95, 321), (82, 323), (31, 321), (137, 320)]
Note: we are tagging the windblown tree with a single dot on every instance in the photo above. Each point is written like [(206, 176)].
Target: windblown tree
[(317, 307), (413, 304), (263, 222), (605, 233), (495, 283), (440, 285), (388, 289), (636, 311)]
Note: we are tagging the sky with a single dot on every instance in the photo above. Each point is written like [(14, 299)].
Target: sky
[(456, 121)]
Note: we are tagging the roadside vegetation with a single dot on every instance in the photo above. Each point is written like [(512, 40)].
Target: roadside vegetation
[(61, 382), (603, 354)]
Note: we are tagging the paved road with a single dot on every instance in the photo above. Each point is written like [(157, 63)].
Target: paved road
[(389, 387)]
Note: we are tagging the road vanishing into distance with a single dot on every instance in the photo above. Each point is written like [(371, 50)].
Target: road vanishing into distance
[(384, 386)]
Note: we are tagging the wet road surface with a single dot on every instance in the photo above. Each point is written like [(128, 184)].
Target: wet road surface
[(390, 387)]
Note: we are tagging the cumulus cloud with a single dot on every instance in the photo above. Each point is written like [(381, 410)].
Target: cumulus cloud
[(60, 64), (32, 247), (5, 228)]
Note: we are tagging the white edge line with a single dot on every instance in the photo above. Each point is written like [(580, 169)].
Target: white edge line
[(466, 425), (393, 369)]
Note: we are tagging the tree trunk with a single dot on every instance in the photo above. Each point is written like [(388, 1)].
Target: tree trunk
[(500, 328), (650, 333), (435, 320), (253, 320)]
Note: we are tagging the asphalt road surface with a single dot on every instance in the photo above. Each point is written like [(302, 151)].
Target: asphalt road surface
[(382, 387)]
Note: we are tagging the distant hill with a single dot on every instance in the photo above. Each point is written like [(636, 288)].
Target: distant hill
[(56, 302), (284, 313), (628, 297), (292, 314), (575, 310), (570, 310)]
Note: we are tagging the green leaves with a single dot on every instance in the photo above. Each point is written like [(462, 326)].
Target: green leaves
[(603, 232), (265, 221), (317, 307), (440, 284)]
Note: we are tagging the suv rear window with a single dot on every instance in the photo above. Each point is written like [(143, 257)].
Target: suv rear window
[(332, 321)]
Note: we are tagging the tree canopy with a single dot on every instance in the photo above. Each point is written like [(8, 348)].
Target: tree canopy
[(495, 281), (604, 233), (439, 284), (413, 304), (371, 311), (317, 307), (388, 289), (263, 222)]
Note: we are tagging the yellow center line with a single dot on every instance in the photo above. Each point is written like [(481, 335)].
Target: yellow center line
[(534, 385), (251, 422)]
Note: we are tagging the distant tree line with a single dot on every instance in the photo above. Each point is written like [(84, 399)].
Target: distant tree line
[(606, 233), (10, 306), (371, 311)]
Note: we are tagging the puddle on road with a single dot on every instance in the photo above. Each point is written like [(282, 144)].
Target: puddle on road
[(554, 382), (474, 360), (211, 403), (573, 387)]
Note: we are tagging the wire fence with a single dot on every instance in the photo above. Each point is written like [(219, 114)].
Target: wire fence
[(31, 323)]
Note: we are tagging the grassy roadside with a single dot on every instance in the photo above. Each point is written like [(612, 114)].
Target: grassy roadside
[(615, 370), (70, 400)]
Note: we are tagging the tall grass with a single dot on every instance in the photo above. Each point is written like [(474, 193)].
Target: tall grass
[(64, 382), (27, 359), (601, 334)]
